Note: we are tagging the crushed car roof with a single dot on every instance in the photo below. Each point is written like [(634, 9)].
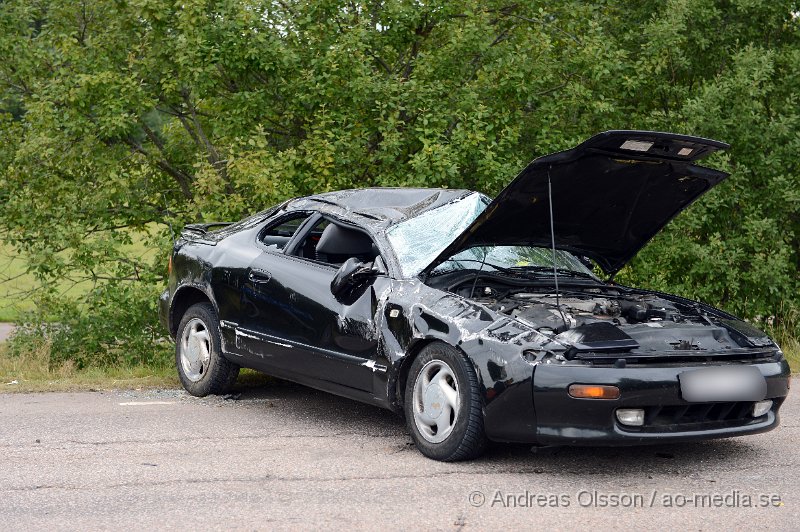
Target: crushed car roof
[(388, 204)]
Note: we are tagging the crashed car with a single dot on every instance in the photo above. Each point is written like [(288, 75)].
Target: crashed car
[(482, 319)]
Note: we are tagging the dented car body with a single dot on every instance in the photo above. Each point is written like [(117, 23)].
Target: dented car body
[(343, 291)]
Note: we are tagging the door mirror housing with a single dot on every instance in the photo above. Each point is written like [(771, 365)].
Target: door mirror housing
[(351, 273)]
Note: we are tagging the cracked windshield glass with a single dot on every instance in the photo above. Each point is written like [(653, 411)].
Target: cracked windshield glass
[(418, 241)]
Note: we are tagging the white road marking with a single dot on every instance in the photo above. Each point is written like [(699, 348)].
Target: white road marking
[(145, 403)]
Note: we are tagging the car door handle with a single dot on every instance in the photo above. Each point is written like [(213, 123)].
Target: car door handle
[(259, 276)]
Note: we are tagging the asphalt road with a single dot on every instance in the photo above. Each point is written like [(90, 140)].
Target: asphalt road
[(287, 457)]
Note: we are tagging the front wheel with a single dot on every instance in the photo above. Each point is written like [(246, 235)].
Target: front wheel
[(443, 405), (202, 369)]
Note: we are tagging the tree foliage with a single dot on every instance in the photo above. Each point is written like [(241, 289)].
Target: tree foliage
[(120, 119)]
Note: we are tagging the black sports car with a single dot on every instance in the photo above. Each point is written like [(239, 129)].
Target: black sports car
[(482, 319)]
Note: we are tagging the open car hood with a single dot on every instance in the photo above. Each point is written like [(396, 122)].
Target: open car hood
[(611, 195)]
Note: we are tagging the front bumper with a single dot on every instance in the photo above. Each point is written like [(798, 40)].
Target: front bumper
[(562, 419)]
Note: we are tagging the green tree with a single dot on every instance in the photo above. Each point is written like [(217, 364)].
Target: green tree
[(123, 119)]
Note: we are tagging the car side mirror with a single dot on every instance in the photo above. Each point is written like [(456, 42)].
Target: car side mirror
[(348, 275)]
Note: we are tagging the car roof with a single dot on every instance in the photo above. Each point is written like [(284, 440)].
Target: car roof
[(380, 204)]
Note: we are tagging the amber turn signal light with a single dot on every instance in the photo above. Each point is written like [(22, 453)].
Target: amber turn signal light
[(169, 265), (593, 391)]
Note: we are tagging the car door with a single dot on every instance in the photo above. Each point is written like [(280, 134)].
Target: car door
[(296, 325)]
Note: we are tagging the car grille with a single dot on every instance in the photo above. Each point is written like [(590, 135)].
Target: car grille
[(682, 417), (681, 356)]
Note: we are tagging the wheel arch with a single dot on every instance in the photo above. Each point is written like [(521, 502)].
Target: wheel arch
[(397, 395), (184, 298)]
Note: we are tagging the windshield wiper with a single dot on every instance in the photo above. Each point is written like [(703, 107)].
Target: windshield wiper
[(524, 271), (549, 269), (501, 269)]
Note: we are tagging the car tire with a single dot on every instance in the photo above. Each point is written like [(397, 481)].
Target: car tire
[(202, 369), (443, 405)]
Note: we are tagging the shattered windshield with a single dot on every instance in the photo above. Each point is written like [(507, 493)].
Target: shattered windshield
[(516, 259), (418, 241)]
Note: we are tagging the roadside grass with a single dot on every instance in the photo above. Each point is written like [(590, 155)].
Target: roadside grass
[(786, 333), (790, 345), (791, 350), (33, 373)]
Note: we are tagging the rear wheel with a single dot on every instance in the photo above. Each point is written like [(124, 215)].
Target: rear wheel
[(202, 369), (443, 405)]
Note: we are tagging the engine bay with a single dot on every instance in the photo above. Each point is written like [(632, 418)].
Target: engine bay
[(641, 322)]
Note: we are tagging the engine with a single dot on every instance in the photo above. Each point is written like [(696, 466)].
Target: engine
[(546, 311), (650, 323)]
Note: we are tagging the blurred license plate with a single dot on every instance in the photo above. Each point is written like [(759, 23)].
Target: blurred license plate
[(738, 383)]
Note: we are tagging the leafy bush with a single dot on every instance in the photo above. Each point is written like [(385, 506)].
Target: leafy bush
[(111, 325), (120, 119)]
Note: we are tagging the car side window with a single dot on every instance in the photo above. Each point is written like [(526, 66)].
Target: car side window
[(308, 247), (278, 234), (333, 244)]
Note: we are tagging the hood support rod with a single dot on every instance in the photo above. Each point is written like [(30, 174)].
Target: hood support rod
[(553, 247)]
